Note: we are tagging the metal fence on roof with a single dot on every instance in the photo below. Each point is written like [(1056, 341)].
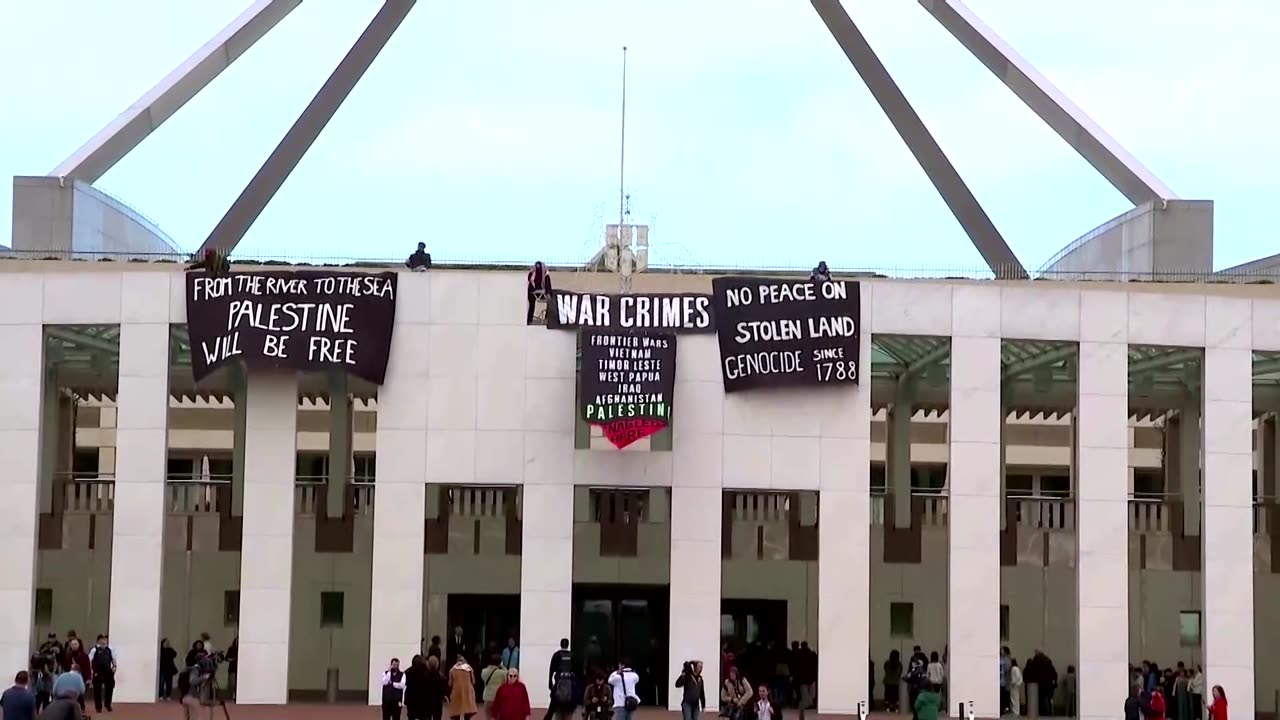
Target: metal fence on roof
[(462, 261)]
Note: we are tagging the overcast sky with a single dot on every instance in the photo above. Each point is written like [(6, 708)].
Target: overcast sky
[(489, 130)]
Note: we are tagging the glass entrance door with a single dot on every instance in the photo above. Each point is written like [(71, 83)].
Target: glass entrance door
[(486, 621), (624, 622)]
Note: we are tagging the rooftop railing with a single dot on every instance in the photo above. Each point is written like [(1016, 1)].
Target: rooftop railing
[(577, 263)]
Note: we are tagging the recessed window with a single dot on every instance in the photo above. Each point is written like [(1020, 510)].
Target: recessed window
[(879, 480), (180, 468), (1189, 628), (1055, 486), (85, 463), (1004, 623), (331, 609), (366, 467), (44, 606), (231, 608), (312, 466), (902, 619), (1019, 485)]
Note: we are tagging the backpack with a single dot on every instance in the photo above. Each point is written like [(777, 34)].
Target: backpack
[(102, 660), (563, 692)]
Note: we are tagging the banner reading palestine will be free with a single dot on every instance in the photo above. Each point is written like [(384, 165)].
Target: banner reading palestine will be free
[(627, 382)]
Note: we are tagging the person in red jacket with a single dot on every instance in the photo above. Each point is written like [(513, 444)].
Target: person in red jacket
[(512, 699), (1157, 706), (1218, 708)]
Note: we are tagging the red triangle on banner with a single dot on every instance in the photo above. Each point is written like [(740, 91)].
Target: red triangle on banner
[(624, 432)]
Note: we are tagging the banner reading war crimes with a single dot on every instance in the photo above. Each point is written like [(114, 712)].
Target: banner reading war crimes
[(626, 383), (295, 320), (776, 333), (689, 313)]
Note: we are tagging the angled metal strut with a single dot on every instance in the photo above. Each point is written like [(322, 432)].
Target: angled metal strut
[(264, 185), (93, 159), (977, 225), (1113, 162)]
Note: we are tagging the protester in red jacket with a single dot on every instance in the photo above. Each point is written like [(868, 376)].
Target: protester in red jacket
[(512, 699)]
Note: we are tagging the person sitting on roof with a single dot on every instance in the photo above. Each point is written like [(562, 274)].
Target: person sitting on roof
[(539, 288), (420, 260), (820, 273), (213, 262)]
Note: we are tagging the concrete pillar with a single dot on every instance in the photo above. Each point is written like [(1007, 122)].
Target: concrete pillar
[(137, 528), (1227, 532), (1172, 455), (974, 512), (21, 409), (898, 453), (340, 460), (546, 578), (266, 564), (238, 439), (844, 539), (50, 461), (1267, 458), (395, 627), (1101, 450), (1189, 446), (695, 584), (1004, 453)]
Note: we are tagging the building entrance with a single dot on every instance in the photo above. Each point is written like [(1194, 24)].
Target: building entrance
[(486, 621), (615, 622), (743, 622)]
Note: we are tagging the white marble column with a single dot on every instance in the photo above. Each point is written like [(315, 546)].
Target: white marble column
[(266, 560), (696, 514), (844, 539), (21, 403), (974, 503), (399, 517), (1102, 503), (546, 580), (137, 535), (1227, 528)]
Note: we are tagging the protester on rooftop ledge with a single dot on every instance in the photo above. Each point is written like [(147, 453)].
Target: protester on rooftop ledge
[(539, 288), (420, 260), (213, 262), (820, 273)]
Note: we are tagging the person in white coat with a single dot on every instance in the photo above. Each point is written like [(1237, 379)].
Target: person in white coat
[(626, 699), (1015, 687)]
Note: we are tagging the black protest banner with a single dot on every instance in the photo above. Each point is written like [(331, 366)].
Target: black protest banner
[(685, 313), (626, 383), (295, 320), (777, 333)]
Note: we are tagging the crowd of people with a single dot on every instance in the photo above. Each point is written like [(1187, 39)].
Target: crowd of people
[(1172, 694)]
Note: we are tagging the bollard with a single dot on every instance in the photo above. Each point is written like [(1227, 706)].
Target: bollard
[(1032, 703), (331, 685), (904, 699), (862, 710), (970, 714)]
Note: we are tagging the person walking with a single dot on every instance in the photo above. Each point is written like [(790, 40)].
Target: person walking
[(511, 700), (492, 678), (168, 669), (70, 685), (694, 700), (462, 689), (1218, 708), (18, 702), (103, 661), (392, 690)]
